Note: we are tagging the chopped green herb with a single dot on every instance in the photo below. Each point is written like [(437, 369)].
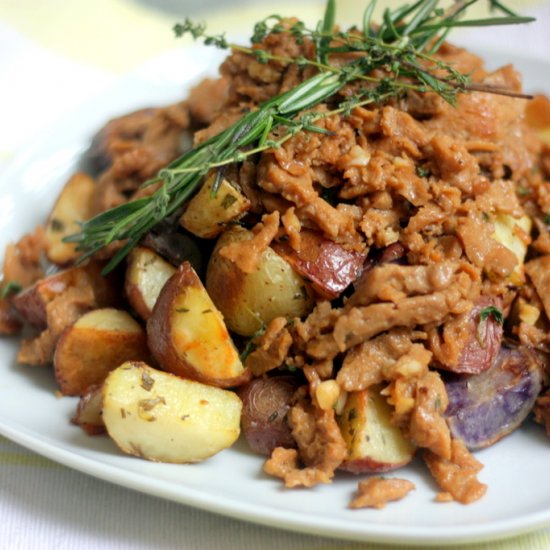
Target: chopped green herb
[(484, 314), (57, 225), (491, 311), (147, 381), (546, 219), (330, 195), (228, 200), (251, 344), (422, 172), (182, 310), (11, 287)]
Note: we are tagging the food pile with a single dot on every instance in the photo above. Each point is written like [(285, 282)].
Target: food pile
[(366, 282)]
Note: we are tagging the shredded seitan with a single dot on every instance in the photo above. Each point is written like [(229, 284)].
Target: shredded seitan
[(376, 492), (457, 474)]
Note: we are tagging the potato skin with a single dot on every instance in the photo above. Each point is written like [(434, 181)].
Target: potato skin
[(146, 274), (373, 443), (161, 417), (482, 349), (247, 300), (96, 344), (479, 348), (266, 402), (187, 336), (329, 266)]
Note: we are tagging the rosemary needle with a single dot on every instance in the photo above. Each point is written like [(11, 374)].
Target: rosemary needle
[(401, 46)]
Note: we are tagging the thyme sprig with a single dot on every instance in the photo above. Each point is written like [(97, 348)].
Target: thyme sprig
[(401, 48)]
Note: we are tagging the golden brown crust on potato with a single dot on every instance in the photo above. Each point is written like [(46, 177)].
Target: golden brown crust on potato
[(97, 343), (161, 417), (187, 335)]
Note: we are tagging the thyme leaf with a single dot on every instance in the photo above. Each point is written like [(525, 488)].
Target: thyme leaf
[(12, 287), (484, 314), (491, 311)]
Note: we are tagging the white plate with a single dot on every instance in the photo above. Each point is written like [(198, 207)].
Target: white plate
[(232, 483)]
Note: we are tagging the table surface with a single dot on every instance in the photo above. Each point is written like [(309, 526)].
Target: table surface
[(45, 505)]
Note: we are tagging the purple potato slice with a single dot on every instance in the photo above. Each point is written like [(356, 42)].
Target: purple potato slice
[(485, 407)]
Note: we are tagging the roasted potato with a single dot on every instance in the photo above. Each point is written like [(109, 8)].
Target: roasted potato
[(176, 247), (187, 334), (474, 336), (33, 301), (89, 414), (73, 205), (373, 443), (328, 266), (146, 274), (206, 214), (248, 300), (97, 343), (164, 418), (514, 234), (485, 407), (266, 402)]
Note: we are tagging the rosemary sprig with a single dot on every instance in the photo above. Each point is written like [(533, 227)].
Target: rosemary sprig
[(402, 46)]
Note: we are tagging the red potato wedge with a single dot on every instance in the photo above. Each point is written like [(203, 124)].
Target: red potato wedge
[(187, 334), (161, 417), (32, 302), (328, 266), (89, 415), (266, 402), (72, 206), (97, 343), (207, 214), (470, 343), (374, 444), (247, 300), (146, 274)]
